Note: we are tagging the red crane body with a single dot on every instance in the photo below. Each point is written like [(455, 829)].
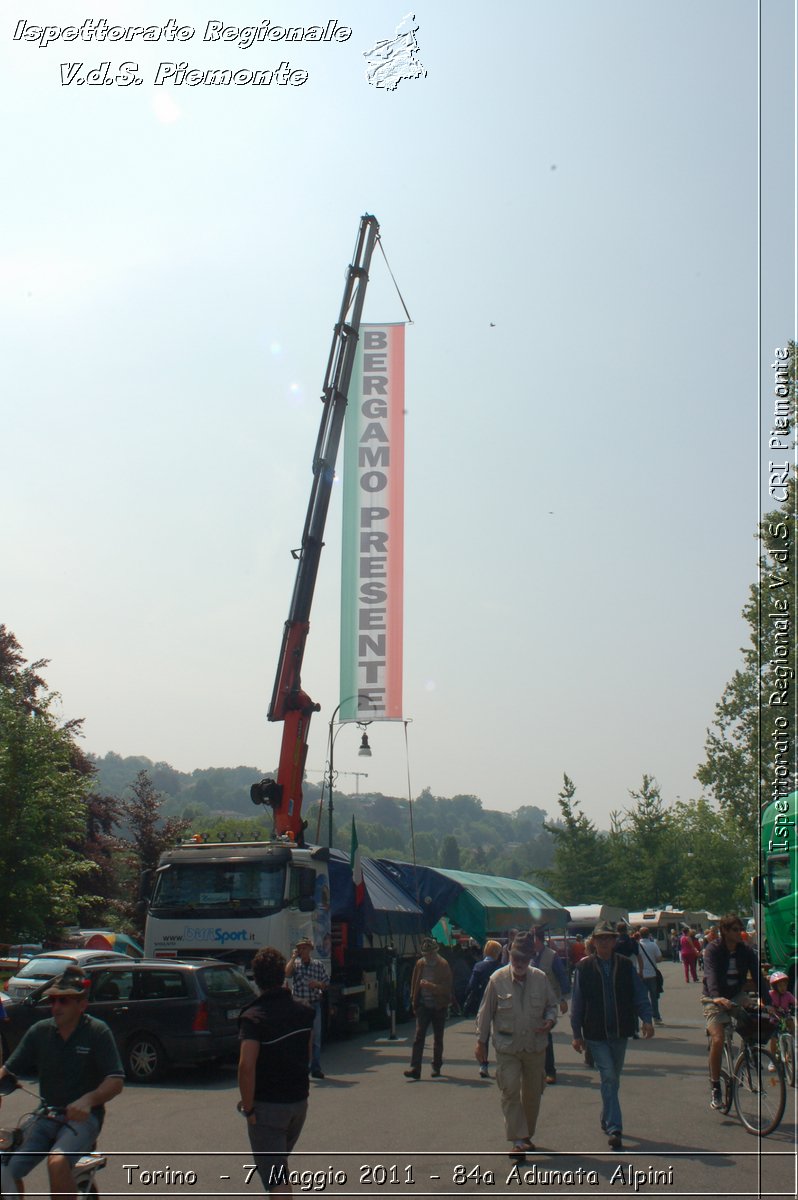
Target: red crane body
[(290, 703)]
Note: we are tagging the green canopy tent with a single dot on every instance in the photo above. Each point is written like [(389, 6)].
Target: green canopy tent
[(489, 904)]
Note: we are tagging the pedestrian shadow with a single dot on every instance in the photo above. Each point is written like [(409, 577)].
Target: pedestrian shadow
[(658, 1163), (331, 1080)]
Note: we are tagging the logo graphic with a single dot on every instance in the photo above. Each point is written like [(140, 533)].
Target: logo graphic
[(393, 59)]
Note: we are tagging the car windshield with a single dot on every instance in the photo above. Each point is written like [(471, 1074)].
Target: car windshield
[(220, 887), (43, 968)]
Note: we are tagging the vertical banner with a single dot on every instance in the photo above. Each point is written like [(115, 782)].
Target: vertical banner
[(372, 579)]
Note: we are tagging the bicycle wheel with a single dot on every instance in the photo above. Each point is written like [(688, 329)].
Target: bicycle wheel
[(759, 1093), (786, 1046), (726, 1078)]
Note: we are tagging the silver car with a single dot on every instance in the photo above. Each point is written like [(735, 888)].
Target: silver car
[(41, 967)]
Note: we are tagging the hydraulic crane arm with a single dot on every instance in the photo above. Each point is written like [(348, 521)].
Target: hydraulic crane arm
[(289, 703)]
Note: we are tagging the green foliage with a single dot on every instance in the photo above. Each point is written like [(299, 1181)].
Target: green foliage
[(186, 794), (579, 873), (450, 853), (717, 864), (150, 834), (43, 790), (228, 829), (98, 904), (652, 873), (750, 748)]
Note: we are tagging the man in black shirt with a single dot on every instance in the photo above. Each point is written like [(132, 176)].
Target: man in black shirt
[(728, 962), (275, 1033)]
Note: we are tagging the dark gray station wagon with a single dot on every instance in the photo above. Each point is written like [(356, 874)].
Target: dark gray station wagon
[(160, 1013)]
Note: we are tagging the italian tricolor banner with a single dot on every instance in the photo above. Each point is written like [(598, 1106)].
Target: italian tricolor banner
[(373, 535), (357, 868)]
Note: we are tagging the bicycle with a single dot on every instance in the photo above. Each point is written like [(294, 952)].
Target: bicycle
[(11, 1139), (752, 1081), (785, 1050)]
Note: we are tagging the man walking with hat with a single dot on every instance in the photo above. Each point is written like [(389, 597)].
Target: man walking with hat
[(608, 995), (520, 1007), (309, 982), (75, 1059), (430, 996)]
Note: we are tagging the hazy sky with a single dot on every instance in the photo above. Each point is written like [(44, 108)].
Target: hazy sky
[(568, 201)]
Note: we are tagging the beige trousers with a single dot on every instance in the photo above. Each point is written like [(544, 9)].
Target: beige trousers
[(521, 1079)]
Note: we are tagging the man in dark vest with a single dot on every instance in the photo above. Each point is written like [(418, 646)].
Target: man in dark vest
[(608, 994), (555, 970)]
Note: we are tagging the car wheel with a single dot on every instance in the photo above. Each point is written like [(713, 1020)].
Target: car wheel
[(144, 1058)]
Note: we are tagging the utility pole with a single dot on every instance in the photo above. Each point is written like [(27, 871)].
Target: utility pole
[(358, 776)]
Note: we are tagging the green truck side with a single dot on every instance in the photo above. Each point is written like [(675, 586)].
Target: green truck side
[(775, 888)]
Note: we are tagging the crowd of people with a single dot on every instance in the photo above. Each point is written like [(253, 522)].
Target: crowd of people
[(517, 991)]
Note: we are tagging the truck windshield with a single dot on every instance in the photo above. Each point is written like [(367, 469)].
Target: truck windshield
[(218, 888)]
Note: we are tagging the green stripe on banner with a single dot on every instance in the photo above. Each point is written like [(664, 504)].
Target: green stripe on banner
[(349, 546)]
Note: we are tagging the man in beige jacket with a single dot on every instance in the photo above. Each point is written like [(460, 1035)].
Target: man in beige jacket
[(521, 1008)]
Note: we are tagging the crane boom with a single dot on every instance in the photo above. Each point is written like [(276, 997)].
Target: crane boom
[(290, 703)]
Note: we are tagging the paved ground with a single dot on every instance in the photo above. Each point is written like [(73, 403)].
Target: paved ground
[(394, 1137)]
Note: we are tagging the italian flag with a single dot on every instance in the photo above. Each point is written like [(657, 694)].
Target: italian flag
[(357, 869)]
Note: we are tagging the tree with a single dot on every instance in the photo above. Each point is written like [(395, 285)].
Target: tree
[(150, 834), (44, 782), (717, 864), (219, 828), (99, 904), (750, 748), (450, 853), (652, 874), (579, 873)]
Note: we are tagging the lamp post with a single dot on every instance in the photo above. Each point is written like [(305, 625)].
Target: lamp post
[(363, 752)]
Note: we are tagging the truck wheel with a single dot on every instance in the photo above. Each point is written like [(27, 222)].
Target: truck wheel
[(144, 1058)]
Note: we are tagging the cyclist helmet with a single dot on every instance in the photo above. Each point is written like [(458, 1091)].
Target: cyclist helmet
[(777, 975)]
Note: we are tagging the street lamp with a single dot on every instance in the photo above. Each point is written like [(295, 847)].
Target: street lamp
[(363, 752)]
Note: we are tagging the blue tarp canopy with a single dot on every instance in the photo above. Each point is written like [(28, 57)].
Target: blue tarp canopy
[(479, 904), (387, 908)]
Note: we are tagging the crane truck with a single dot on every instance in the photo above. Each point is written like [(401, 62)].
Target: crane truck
[(230, 899)]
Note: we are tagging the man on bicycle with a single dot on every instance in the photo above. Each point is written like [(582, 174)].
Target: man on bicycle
[(76, 1061), (727, 963)]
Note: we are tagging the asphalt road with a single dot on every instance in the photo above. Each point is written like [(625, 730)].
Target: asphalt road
[(372, 1132)]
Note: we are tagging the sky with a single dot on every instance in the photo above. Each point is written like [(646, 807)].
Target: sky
[(569, 199)]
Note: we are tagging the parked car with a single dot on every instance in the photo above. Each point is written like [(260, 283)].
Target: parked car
[(24, 950), (160, 1012), (53, 962), (13, 957)]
